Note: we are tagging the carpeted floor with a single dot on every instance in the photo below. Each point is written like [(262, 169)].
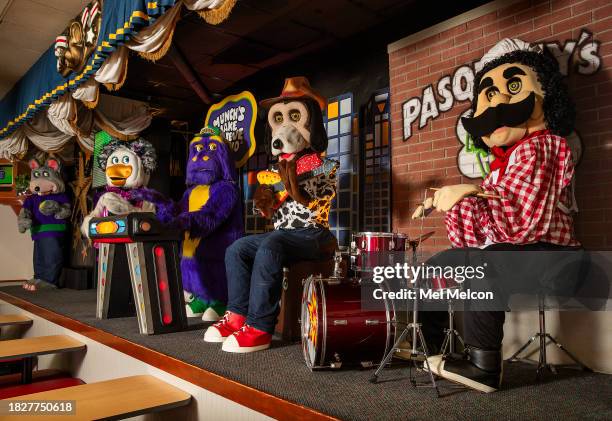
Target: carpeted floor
[(347, 394)]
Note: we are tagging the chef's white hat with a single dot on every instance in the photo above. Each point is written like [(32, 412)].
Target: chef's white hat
[(503, 47)]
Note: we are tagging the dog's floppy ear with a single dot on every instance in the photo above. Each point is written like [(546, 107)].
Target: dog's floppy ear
[(267, 137), (318, 135)]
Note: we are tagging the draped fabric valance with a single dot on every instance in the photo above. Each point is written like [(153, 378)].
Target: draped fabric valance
[(66, 120), (39, 99)]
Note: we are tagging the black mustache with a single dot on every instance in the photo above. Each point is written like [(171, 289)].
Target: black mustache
[(509, 115)]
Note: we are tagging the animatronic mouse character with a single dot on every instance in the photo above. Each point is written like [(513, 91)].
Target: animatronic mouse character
[(74, 46), (521, 110), (298, 201), (128, 166), (45, 214), (211, 216)]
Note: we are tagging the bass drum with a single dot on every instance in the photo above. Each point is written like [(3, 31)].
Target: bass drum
[(336, 331)]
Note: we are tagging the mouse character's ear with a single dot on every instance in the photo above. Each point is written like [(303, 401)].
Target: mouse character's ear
[(53, 164), (34, 164)]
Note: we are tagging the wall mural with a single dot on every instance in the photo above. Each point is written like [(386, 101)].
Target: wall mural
[(575, 56)]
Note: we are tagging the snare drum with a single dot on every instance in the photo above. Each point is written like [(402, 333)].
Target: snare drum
[(371, 249), (336, 331)]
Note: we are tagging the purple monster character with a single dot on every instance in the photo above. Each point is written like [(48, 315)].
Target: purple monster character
[(211, 216)]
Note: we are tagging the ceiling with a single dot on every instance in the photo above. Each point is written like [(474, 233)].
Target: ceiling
[(257, 35), (27, 29)]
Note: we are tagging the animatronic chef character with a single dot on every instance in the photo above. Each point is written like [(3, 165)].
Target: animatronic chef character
[(128, 167), (211, 216), (521, 110), (45, 213), (297, 197)]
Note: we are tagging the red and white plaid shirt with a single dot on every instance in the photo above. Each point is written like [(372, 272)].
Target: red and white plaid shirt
[(533, 180)]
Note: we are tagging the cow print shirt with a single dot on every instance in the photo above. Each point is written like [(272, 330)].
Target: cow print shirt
[(322, 190)]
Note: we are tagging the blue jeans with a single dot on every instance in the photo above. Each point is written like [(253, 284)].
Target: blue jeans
[(254, 267), (48, 258)]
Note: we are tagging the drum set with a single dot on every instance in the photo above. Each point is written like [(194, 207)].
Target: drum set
[(335, 329)]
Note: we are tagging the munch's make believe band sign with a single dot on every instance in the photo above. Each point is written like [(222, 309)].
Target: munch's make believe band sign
[(235, 117)]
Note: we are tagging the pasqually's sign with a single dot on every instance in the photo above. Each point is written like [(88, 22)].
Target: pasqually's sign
[(579, 56)]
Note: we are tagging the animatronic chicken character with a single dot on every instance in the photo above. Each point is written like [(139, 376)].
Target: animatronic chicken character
[(45, 214), (211, 216), (298, 201), (128, 166), (521, 110)]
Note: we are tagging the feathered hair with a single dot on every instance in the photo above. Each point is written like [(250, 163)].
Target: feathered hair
[(141, 147)]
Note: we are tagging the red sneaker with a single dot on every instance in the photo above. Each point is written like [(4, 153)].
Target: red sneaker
[(229, 323), (247, 339)]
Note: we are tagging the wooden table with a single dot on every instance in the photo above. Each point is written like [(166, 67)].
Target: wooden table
[(28, 348), (14, 319), (40, 345), (113, 399)]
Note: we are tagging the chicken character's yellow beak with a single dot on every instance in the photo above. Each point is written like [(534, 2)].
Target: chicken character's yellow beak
[(118, 174)]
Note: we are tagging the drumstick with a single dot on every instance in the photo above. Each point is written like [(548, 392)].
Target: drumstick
[(483, 195)]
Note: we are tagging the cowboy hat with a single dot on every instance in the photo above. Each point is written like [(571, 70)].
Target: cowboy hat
[(295, 88)]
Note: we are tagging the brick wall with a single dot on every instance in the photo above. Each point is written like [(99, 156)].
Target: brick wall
[(428, 156)]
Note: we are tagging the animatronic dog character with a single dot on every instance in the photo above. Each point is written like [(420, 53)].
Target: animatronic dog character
[(299, 206), (45, 214), (521, 110), (211, 216), (128, 166)]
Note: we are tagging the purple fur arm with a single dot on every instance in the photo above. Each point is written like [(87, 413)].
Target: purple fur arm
[(224, 197), (165, 209)]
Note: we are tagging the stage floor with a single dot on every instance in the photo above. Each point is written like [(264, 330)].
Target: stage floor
[(347, 394)]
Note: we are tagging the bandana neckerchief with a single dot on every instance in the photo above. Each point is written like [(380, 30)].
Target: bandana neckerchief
[(502, 155)]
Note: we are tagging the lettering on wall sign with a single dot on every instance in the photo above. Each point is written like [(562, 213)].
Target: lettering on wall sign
[(235, 117), (575, 56)]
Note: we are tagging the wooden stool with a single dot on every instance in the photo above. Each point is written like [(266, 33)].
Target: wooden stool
[(288, 325)]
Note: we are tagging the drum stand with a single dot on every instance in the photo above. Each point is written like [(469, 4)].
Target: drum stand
[(450, 333), (414, 328)]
